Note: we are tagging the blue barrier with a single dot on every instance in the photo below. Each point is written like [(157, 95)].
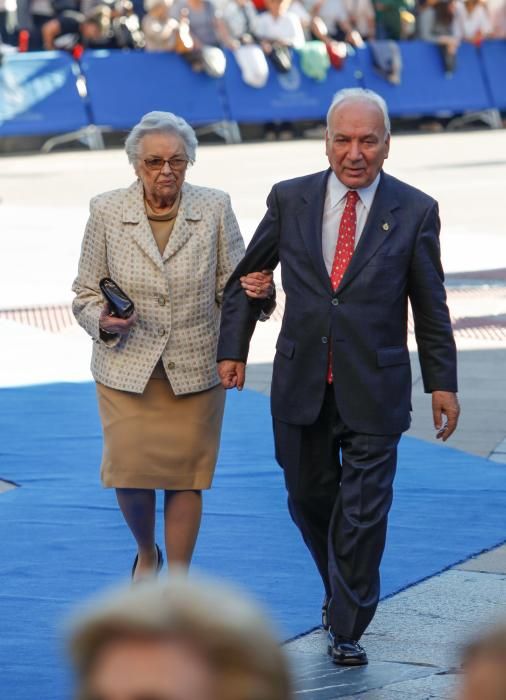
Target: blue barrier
[(286, 96), (493, 54), (124, 85), (424, 89), (38, 95)]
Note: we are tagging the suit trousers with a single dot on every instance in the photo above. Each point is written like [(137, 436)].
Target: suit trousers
[(340, 489)]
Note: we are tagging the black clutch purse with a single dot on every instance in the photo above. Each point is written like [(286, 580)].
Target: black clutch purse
[(120, 303)]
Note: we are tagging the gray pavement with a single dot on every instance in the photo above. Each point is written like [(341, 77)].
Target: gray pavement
[(414, 640)]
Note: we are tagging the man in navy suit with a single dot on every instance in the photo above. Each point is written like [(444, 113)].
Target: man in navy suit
[(355, 244)]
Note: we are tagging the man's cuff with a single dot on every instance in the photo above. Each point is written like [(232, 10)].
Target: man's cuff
[(268, 307)]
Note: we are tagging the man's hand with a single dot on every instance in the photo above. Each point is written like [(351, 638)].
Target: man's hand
[(115, 325), (258, 285), (232, 374), (445, 411)]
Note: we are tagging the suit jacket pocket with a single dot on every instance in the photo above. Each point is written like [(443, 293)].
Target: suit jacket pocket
[(285, 347), (387, 357)]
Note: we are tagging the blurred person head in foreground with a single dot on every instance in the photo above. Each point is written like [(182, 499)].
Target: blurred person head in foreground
[(484, 662), (176, 640)]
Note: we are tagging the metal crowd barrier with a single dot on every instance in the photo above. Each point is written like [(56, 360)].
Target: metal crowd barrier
[(49, 93)]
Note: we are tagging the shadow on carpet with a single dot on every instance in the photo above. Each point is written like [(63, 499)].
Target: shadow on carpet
[(63, 539)]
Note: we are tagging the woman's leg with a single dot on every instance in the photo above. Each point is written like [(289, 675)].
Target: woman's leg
[(138, 508), (183, 512)]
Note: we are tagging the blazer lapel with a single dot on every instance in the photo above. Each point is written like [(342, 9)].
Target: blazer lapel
[(379, 226), (189, 211), (134, 215), (310, 218)]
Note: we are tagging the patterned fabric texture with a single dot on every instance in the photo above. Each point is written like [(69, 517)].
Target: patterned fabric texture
[(177, 295)]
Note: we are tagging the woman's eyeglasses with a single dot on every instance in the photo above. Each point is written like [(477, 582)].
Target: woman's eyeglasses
[(176, 164)]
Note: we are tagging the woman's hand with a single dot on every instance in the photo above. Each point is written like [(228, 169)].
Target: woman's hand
[(258, 285), (115, 325)]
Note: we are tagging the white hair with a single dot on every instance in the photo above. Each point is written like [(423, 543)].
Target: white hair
[(360, 95), (160, 123)]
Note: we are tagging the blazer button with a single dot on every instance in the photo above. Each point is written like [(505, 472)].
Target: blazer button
[(325, 340), (335, 302), (170, 365), (161, 332), (161, 300)]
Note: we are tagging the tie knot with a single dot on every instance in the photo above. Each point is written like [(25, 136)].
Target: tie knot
[(352, 197)]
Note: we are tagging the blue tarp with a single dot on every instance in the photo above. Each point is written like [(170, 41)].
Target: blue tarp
[(124, 85), (424, 88), (63, 537), (494, 61), (38, 95), (286, 96)]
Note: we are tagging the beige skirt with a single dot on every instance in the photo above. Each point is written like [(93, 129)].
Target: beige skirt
[(157, 440)]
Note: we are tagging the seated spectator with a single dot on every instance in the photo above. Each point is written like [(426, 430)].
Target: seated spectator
[(436, 23), (240, 17), (498, 18), (392, 16), (298, 8), (279, 31), (8, 23), (160, 29), (91, 30), (180, 640), (484, 667), (472, 21), (125, 32), (202, 33), (361, 17), (207, 27), (32, 15), (278, 25), (338, 20)]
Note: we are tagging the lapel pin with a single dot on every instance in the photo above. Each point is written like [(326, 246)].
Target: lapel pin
[(386, 226)]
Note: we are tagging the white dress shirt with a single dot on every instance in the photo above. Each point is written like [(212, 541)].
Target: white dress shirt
[(335, 201), (469, 24), (286, 28)]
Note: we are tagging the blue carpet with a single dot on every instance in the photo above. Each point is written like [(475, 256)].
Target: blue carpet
[(62, 537)]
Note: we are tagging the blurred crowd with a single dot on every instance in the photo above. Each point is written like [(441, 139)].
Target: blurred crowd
[(183, 25), (261, 33)]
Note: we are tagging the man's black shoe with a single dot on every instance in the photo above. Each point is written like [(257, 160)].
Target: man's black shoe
[(346, 652), (325, 613)]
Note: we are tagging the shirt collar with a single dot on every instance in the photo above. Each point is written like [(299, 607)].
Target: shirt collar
[(337, 191)]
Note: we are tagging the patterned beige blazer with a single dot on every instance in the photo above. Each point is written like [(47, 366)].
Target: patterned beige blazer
[(177, 295)]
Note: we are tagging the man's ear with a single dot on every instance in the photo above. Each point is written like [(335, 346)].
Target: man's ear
[(387, 146)]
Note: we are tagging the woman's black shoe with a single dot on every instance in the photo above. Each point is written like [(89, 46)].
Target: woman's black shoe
[(159, 561)]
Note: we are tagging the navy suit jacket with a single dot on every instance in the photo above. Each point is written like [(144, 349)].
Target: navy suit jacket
[(365, 320)]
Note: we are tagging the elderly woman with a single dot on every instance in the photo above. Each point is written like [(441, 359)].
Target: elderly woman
[(171, 247)]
